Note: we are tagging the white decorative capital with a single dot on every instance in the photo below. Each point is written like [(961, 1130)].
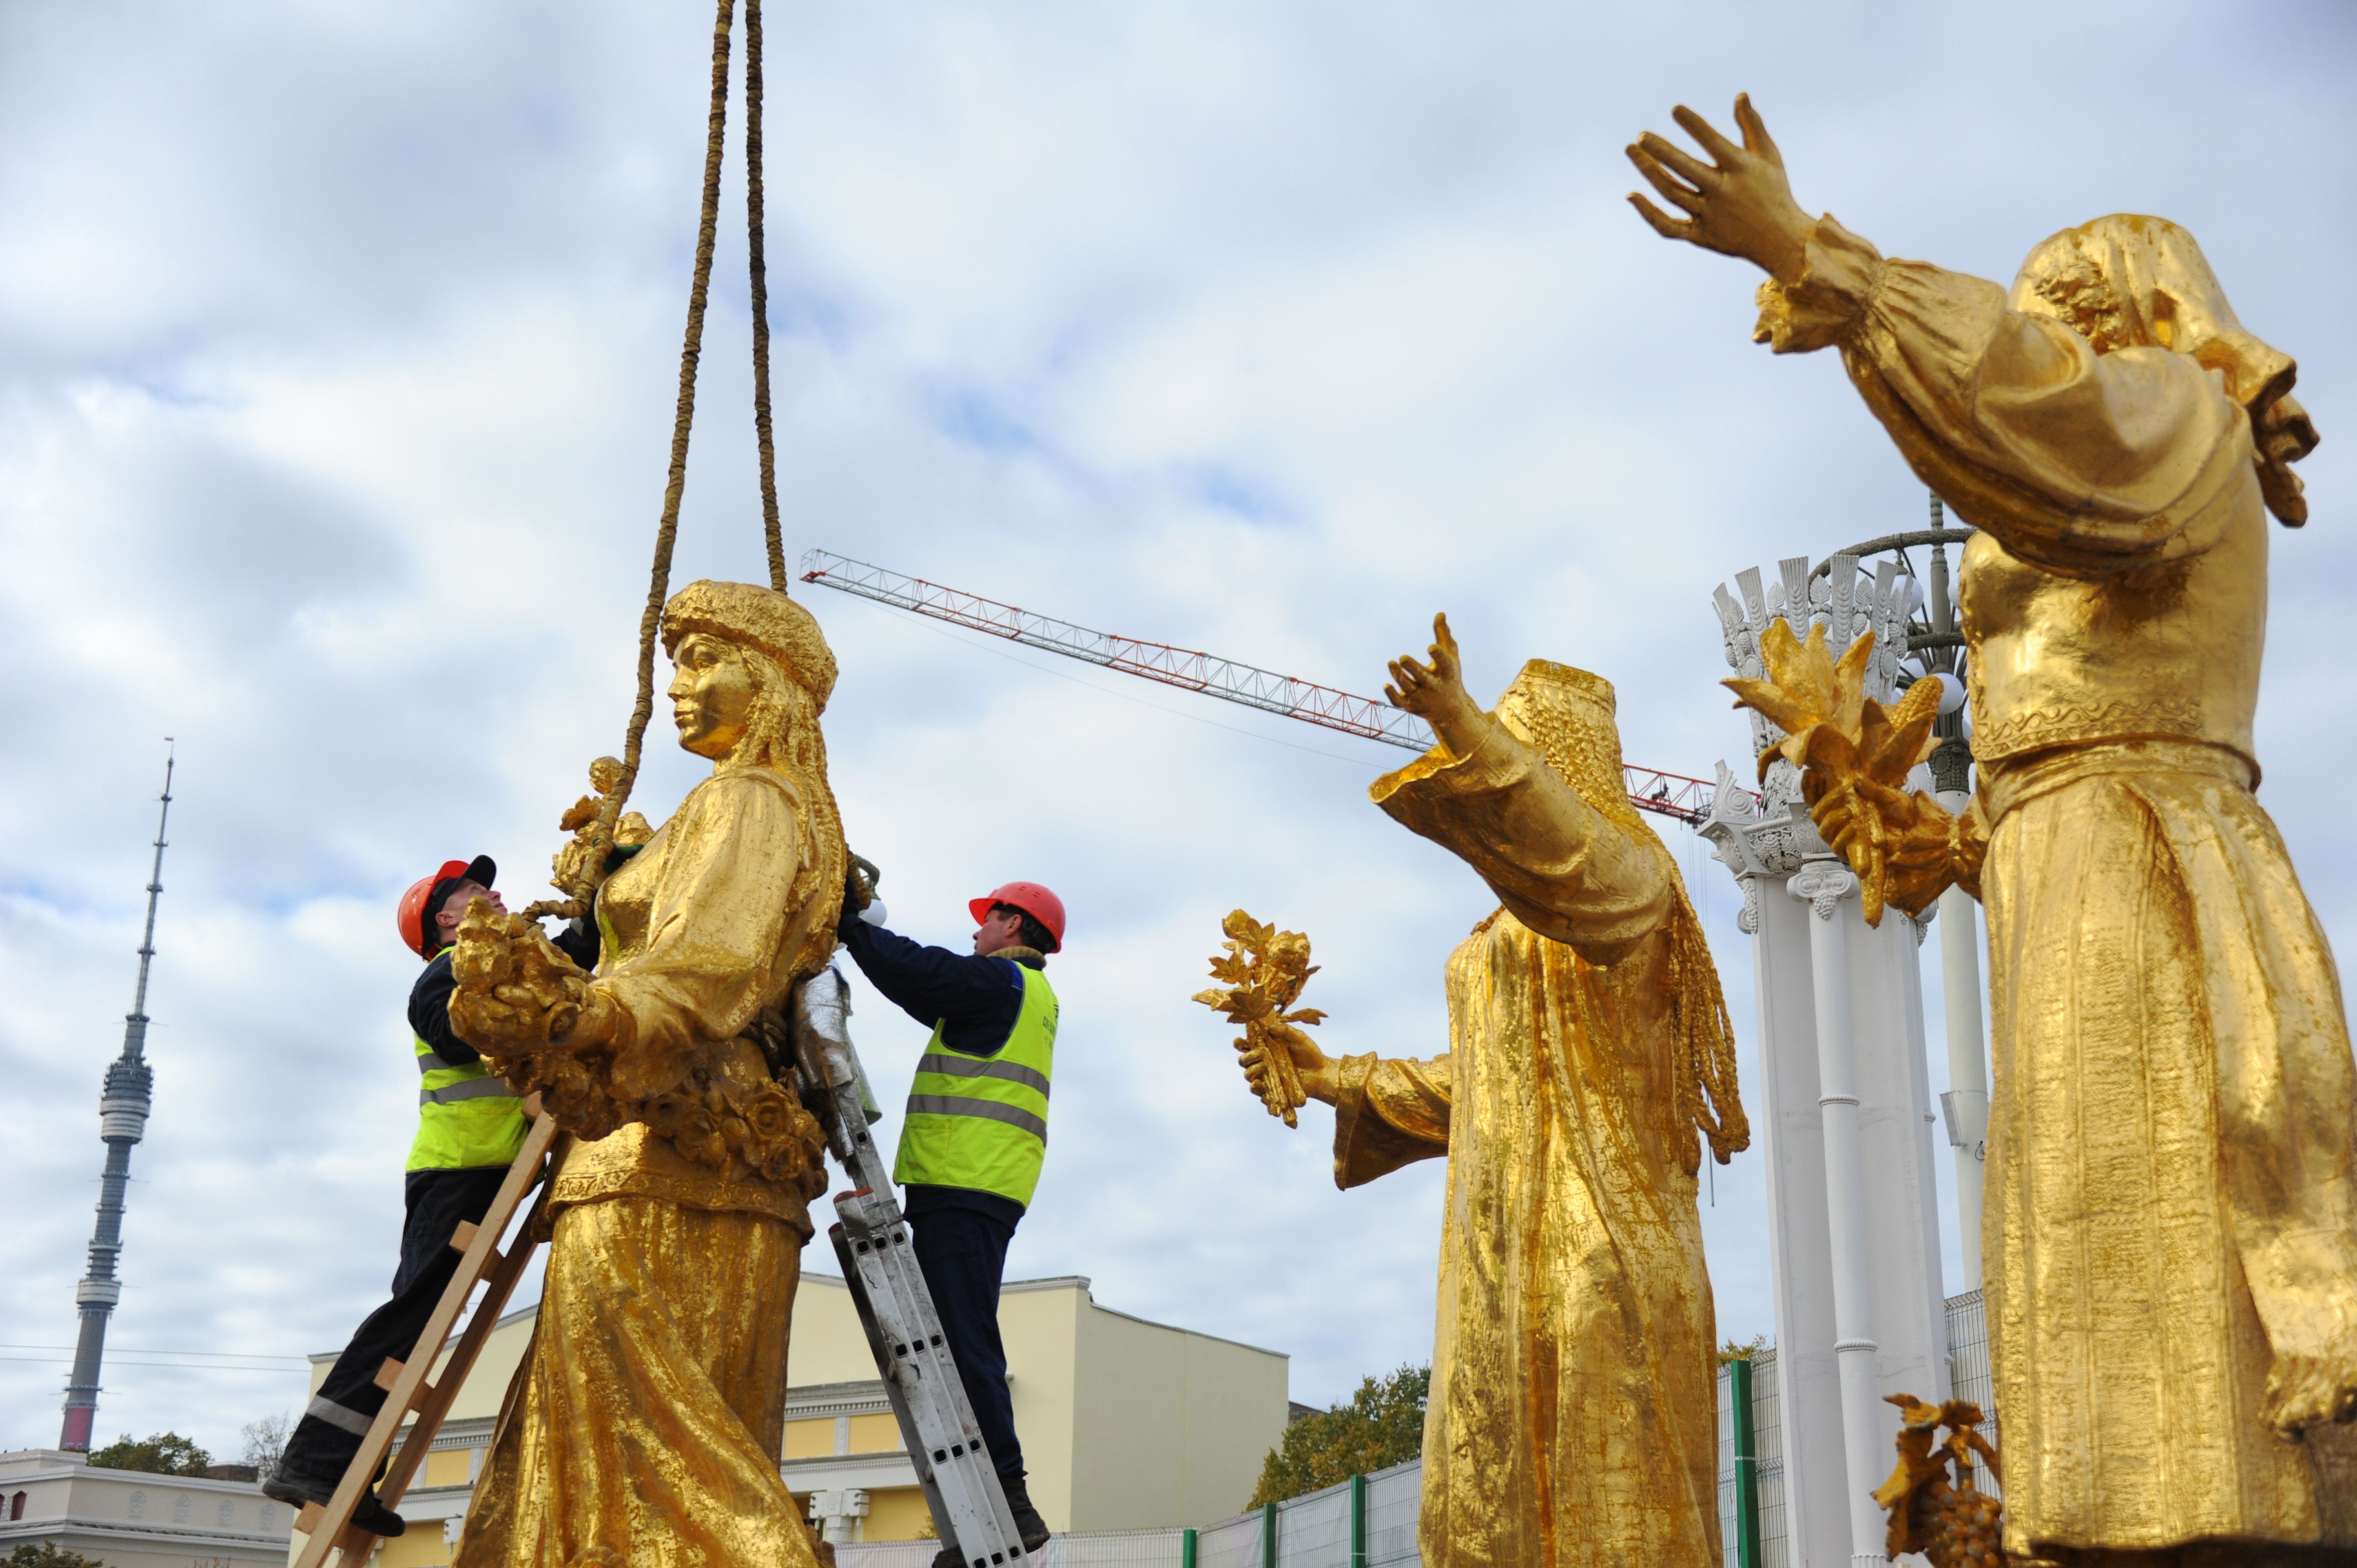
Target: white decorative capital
[(1822, 885)]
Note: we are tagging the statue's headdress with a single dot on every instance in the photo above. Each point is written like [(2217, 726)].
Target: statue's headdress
[(777, 738), (759, 618), (2128, 281), (1566, 715)]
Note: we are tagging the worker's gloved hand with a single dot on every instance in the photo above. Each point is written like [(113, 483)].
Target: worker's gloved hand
[(855, 898), (859, 899)]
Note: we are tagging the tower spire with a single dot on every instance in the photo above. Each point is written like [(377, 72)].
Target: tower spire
[(122, 1121)]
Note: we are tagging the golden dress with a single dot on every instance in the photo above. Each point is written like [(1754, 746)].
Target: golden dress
[(645, 1424), (2170, 1233), (1573, 1420)]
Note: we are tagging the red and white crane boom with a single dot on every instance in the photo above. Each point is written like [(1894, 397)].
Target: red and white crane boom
[(1666, 794)]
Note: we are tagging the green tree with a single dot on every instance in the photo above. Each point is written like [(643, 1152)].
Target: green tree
[(1383, 1425), (44, 1555), (163, 1454)]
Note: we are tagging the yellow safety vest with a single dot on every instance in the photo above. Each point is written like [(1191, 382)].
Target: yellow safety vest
[(466, 1116), (982, 1122)]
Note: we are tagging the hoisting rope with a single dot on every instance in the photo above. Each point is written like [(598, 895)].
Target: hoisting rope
[(759, 267), (691, 351)]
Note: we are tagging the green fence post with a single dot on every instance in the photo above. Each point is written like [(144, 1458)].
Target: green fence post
[(1747, 1463), (1268, 1535), (1186, 1549), (1357, 1521)]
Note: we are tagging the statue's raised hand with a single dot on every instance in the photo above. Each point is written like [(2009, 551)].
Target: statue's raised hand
[(1739, 203), (1435, 693)]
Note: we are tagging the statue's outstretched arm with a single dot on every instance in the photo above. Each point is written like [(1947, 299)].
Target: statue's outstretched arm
[(1558, 863), (2080, 461)]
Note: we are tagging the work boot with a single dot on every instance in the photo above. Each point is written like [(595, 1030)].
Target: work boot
[(1028, 1523), (371, 1515)]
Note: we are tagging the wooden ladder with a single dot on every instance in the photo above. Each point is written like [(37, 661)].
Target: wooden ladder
[(330, 1527)]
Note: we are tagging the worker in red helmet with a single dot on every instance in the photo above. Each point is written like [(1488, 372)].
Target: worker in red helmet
[(976, 1128), (469, 1126)]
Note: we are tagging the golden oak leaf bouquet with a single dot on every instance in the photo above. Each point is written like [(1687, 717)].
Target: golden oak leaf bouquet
[(1264, 969), (1854, 757)]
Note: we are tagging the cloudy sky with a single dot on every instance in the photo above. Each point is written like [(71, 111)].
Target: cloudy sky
[(337, 358)]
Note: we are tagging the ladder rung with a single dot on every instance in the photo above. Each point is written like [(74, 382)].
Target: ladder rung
[(389, 1374), (463, 1237), (307, 1520)]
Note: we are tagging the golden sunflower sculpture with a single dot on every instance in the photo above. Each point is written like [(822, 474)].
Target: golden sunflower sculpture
[(1854, 754), (1264, 969)]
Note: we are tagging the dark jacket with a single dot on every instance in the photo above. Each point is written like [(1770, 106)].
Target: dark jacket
[(974, 999)]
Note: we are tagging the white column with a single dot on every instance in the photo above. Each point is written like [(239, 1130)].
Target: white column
[(1822, 884), (838, 1512), (1967, 1101)]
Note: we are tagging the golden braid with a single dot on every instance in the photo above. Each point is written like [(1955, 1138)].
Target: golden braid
[(1566, 715)]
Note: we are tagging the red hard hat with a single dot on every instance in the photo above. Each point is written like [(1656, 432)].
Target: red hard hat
[(410, 915), (1033, 901)]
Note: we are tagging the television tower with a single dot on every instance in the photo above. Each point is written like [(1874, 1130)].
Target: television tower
[(122, 1121)]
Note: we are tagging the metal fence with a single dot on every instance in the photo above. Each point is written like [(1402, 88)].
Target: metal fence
[(1968, 1369), (1116, 1549), (1376, 1514), (886, 1554), (1315, 1531), (1766, 1441), (1231, 1543), (1088, 1549), (1394, 1503), (1768, 1431)]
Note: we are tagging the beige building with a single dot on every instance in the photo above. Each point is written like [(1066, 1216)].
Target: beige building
[(131, 1519), (1126, 1424)]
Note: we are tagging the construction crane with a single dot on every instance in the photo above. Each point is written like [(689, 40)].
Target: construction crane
[(1650, 790)]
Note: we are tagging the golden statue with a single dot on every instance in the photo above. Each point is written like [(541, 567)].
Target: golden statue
[(1572, 1419), (646, 1424), (2171, 1229)]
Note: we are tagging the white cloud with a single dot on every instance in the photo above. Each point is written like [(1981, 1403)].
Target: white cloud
[(336, 374)]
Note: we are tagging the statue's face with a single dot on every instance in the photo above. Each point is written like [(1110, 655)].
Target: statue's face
[(712, 695)]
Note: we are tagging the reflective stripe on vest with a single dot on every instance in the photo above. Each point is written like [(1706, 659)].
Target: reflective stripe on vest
[(466, 1117), (982, 1122)]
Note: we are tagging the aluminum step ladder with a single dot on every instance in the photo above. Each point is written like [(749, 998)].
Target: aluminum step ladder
[(904, 1332)]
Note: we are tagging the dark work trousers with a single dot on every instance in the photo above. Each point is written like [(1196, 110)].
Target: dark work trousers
[(329, 1433), (962, 1253)]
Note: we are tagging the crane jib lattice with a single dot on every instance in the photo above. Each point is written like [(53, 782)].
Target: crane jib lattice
[(1666, 794)]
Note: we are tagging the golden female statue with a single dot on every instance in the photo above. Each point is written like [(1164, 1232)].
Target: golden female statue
[(646, 1423), (1572, 1421), (2171, 1228)]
